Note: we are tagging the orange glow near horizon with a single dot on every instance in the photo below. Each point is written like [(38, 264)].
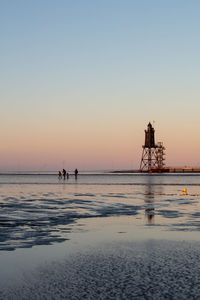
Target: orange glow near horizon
[(88, 148)]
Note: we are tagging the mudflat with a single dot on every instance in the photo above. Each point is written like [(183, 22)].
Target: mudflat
[(127, 236)]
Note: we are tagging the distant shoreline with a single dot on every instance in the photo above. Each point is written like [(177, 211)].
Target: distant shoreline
[(172, 170), (103, 172)]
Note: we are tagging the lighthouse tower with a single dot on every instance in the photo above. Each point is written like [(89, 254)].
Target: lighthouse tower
[(152, 154)]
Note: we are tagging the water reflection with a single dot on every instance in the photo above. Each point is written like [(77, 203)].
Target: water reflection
[(149, 200), (149, 211), (151, 191)]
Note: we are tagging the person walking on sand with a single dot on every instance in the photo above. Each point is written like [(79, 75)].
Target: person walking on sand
[(59, 175), (64, 173), (76, 173)]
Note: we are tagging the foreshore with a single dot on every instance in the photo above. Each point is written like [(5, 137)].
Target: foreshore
[(100, 237), (121, 268)]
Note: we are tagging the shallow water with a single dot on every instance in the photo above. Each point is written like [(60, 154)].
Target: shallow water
[(102, 236), (42, 209)]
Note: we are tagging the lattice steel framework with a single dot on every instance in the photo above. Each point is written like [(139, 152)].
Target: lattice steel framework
[(160, 156), (149, 159)]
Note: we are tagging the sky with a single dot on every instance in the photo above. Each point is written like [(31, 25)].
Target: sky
[(80, 81)]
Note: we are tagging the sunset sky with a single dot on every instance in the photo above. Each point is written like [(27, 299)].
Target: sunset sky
[(80, 80)]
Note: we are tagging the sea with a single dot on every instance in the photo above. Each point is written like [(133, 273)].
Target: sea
[(45, 219)]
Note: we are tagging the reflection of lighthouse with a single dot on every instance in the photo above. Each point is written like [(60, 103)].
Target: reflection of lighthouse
[(149, 195), (152, 154)]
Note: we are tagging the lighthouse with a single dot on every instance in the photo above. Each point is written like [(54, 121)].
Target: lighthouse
[(152, 154)]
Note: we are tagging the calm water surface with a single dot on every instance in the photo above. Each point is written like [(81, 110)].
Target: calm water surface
[(42, 209)]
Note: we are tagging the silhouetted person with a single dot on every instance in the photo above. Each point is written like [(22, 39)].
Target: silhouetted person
[(76, 173), (64, 173), (59, 175), (67, 175)]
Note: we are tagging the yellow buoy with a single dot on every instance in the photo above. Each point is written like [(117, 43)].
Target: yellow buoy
[(185, 191)]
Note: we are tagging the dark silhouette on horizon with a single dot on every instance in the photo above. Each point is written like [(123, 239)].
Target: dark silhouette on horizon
[(76, 173), (64, 173)]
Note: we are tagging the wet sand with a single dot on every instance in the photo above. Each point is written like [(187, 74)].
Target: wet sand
[(106, 259), (152, 269)]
